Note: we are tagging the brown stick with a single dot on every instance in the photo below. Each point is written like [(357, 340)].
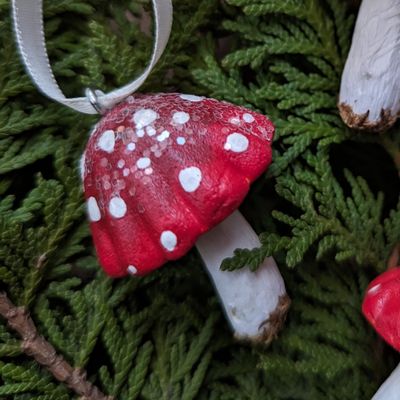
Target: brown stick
[(36, 346)]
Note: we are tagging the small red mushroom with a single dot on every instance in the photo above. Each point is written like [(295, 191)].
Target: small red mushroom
[(381, 307), (161, 170)]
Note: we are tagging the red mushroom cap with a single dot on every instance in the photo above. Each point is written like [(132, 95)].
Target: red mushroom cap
[(159, 170), (381, 306)]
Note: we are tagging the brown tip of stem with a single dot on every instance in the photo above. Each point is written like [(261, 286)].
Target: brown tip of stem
[(271, 327), (394, 258), (361, 121)]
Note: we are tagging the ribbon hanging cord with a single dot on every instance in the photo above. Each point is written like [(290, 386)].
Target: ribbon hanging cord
[(28, 23)]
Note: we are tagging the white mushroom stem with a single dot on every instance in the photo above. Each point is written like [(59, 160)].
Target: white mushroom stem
[(390, 389), (255, 303), (370, 88)]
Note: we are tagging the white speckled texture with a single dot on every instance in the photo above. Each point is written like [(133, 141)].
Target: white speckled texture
[(169, 172)]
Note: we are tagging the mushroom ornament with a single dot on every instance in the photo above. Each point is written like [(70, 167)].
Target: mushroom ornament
[(370, 88), (160, 171), (381, 307)]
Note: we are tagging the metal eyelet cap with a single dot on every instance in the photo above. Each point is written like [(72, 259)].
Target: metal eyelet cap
[(92, 96)]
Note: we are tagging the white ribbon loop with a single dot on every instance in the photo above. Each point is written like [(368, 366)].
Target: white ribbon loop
[(28, 23)]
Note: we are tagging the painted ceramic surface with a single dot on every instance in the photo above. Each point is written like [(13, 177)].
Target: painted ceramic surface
[(381, 306), (159, 170)]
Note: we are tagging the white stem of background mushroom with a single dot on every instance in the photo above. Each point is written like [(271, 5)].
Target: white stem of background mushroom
[(370, 88), (390, 390), (255, 303)]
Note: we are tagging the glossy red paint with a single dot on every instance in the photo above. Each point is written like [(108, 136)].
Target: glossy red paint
[(381, 306), (159, 170)]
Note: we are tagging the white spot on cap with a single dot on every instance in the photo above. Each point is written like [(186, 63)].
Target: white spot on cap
[(248, 117), (236, 142), (126, 172), (121, 164), (144, 117), (93, 209), (82, 166), (168, 240), (374, 289), (150, 131), (235, 120), (140, 132), (163, 135), (132, 270), (180, 117), (190, 179), (106, 141), (148, 171), (181, 140), (117, 207), (191, 97), (131, 146), (143, 162)]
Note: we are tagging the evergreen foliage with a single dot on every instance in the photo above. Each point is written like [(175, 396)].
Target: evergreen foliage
[(328, 206)]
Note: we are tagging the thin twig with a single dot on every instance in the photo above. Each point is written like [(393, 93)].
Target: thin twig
[(37, 347)]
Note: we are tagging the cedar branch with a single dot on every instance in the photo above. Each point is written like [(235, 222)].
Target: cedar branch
[(36, 346)]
